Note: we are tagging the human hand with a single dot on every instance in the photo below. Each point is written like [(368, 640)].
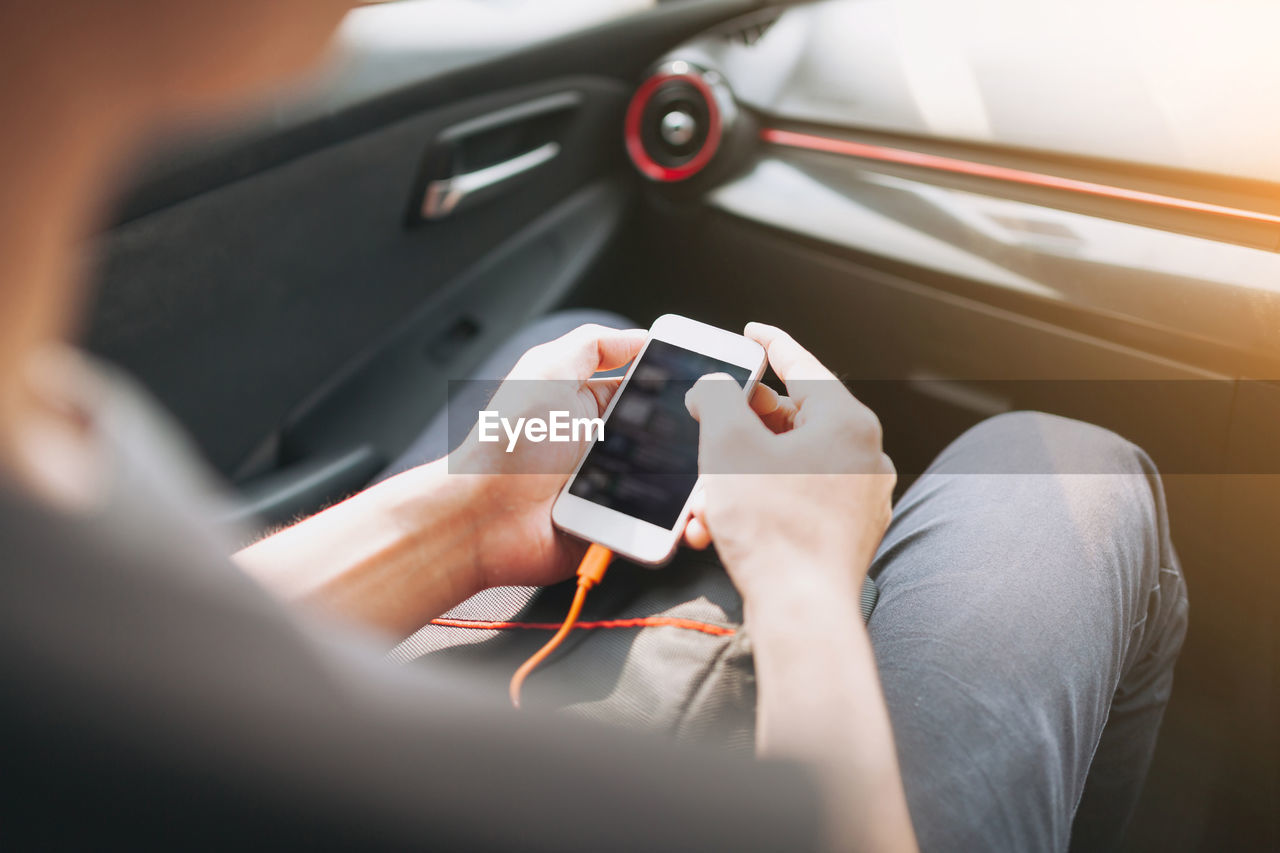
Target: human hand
[(799, 490), (512, 493), (516, 543)]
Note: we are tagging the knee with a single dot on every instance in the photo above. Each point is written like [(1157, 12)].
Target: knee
[(1124, 511), (1027, 442), (1116, 524)]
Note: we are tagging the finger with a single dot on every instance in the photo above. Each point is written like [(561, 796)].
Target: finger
[(696, 531), (698, 502), (718, 404), (778, 413), (799, 370), (887, 466), (616, 347), (580, 353), (783, 418), (696, 534), (729, 433), (604, 387), (763, 399)]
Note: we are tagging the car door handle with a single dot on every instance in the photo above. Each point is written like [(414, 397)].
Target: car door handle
[(446, 195)]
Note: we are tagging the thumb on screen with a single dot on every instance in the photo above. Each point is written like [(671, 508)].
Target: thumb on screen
[(720, 407)]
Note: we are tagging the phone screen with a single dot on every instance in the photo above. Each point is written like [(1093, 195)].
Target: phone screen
[(647, 463)]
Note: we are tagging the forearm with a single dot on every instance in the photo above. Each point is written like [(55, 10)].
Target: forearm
[(820, 702), (391, 557)]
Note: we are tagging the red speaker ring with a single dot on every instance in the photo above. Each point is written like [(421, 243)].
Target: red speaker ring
[(649, 167)]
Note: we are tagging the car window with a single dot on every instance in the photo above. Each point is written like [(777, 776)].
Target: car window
[(1180, 83), (381, 43), (462, 25)]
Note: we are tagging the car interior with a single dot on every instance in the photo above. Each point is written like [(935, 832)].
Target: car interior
[(960, 218)]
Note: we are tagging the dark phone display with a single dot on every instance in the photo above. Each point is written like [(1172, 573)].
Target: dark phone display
[(647, 463)]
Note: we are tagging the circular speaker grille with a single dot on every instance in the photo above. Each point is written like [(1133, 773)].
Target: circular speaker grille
[(674, 124)]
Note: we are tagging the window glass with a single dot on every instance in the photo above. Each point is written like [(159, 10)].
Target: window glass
[(1182, 83), (410, 40), (464, 25)]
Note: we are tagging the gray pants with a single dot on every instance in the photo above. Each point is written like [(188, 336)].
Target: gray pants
[(1026, 632)]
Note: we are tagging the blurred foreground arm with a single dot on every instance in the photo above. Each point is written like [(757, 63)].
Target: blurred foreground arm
[(391, 557), (796, 501), (410, 548)]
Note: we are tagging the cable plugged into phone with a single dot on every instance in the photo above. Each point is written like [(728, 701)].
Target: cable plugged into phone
[(590, 572)]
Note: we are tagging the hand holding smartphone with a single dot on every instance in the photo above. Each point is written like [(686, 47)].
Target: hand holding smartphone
[(631, 491)]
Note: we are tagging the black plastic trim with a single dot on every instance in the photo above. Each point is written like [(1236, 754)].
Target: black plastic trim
[(621, 49)]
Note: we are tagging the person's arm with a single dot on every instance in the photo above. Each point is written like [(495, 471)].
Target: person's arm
[(796, 502), (408, 549), (391, 557), (820, 702)]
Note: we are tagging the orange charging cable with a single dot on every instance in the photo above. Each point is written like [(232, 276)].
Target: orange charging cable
[(590, 572)]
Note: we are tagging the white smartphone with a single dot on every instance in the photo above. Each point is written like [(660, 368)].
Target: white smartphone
[(631, 490)]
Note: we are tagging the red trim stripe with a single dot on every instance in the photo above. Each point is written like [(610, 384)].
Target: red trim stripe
[(937, 163), (641, 622)]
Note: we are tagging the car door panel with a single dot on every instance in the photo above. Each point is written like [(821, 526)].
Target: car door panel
[(249, 272), (199, 283)]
